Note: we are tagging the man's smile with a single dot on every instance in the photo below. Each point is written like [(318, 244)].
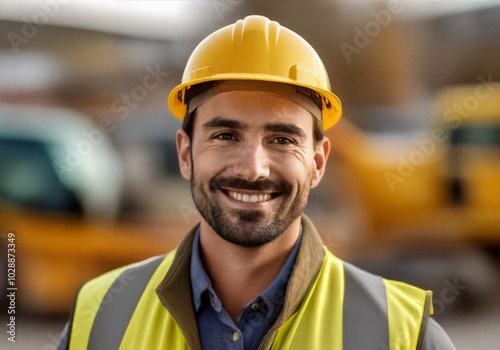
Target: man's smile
[(248, 197), (260, 192)]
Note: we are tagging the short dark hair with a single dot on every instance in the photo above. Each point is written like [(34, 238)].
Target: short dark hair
[(188, 123), (318, 132)]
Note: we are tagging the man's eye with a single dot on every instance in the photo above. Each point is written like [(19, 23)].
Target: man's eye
[(284, 141), (224, 136)]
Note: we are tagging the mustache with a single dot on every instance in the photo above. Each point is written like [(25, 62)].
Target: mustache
[(259, 185)]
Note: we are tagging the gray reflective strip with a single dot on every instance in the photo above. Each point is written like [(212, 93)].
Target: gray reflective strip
[(118, 305), (365, 318), (425, 320)]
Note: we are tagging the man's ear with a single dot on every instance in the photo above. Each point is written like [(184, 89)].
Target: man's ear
[(320, 157), (183, 142)]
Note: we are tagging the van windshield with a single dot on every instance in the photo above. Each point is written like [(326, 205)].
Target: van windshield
[(484, 134), (28, 178)]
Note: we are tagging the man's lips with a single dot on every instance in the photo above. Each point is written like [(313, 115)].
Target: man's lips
[(249, 197), (250, 192)]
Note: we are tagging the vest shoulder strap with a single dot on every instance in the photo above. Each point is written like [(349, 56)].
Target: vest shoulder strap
[(113, 317), (383, 314), (117, 305), (351, 309), (365, 322)]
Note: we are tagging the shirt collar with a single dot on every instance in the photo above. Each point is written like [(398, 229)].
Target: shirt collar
[(273, 296), (200, 282)]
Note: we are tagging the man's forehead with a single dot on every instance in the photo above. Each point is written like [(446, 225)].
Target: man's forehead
[(303, 97), (250, 108), (243, 99)]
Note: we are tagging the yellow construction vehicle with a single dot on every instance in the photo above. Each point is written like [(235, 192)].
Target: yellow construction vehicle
[(441, 185)]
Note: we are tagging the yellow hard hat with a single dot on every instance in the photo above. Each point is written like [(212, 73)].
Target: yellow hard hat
[(257, 49)]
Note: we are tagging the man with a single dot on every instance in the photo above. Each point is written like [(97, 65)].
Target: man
[(254, 273)]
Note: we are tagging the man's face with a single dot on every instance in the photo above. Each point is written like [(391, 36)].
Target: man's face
[(251, 164)]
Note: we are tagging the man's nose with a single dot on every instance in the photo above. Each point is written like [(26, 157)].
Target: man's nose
[(252, 163)]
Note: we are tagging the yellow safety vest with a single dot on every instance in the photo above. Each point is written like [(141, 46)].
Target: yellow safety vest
[(345, 308)]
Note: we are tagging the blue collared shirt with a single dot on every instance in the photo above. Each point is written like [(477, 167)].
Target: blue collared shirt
[(217, 329)]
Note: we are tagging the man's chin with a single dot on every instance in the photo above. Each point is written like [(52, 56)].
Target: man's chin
[(251, 231), (247, 239), (248, 216)]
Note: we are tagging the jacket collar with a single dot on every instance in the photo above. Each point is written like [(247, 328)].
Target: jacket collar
[(174, 291)]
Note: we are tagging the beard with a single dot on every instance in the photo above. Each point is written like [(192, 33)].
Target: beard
[(248, 227)]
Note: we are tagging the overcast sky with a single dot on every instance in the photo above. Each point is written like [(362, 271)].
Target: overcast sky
[(177, 19)]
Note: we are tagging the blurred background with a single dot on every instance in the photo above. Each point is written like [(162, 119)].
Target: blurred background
[(89, 179)]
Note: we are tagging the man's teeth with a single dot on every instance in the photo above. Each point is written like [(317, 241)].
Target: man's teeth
[(254, 198)]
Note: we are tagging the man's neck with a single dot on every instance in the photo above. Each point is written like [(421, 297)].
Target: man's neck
[(238, 274)]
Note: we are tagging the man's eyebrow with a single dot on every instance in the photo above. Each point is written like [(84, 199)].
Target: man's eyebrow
[(220, 122), (290, 129)]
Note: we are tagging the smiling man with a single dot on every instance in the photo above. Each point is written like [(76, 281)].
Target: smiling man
[(254, 101), (251, 165)]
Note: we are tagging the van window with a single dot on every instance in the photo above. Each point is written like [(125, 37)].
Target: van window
[(486, 134), (28, 178)]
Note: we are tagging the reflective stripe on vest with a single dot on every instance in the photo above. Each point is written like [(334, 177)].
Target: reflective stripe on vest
[(364, 310), (114, 315), (104, 306), (346, 308), (371, 300)]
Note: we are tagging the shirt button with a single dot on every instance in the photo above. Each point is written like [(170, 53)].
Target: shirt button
[(236, 336), (254, 306)]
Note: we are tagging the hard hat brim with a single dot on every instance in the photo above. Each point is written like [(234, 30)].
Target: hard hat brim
[(331, 105)]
